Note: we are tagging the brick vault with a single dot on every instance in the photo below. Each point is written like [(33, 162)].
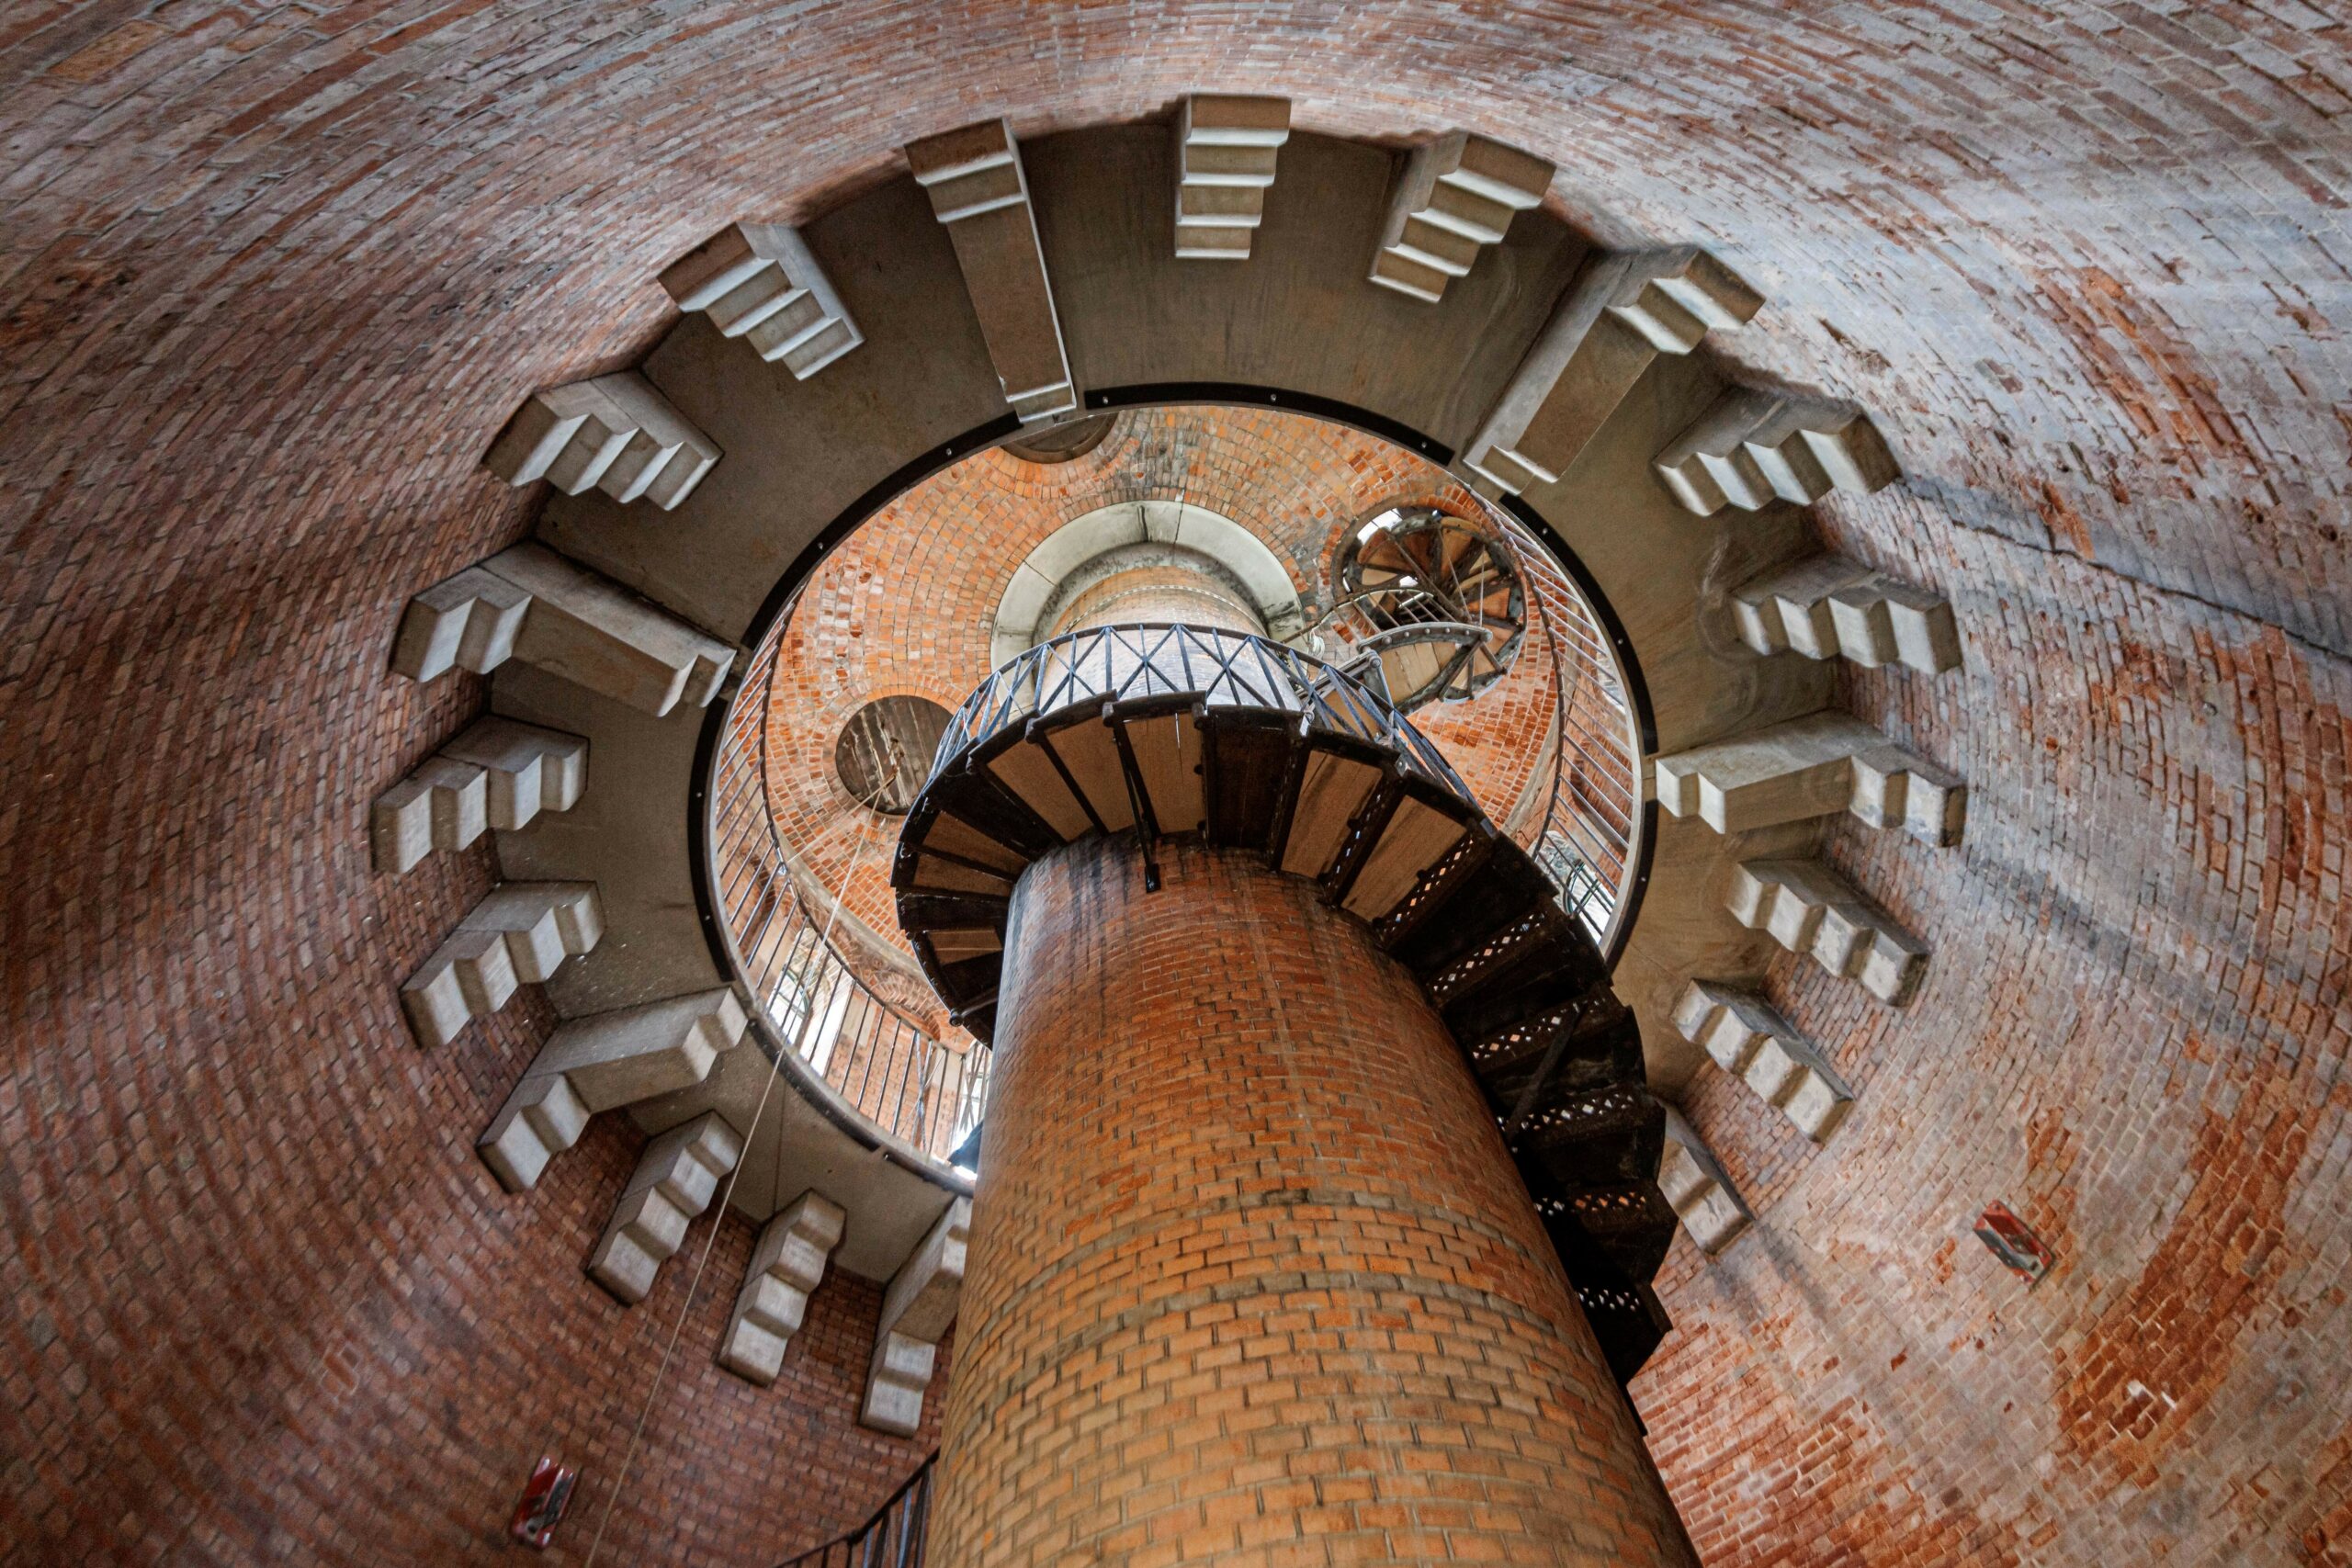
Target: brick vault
[(443, 441)]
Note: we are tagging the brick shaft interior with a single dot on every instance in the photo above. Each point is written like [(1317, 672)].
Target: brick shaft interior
[(270, 277), (1259, 1284)]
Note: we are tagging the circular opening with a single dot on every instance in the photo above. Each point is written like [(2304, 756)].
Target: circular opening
[(1444, 599), (886, 748), (1060, 443)]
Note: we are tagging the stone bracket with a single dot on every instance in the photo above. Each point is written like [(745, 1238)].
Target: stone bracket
[(916, 1310), (1749, 1040), (1701, 1195), (1454, 197), (787, 1263), (496, 773), (759, 282), (1750, 447), (1814, 766), (674, 1181), (528, 602), (978, 190), (1622, 311), (1226, 147), (520, 933), (1809, 909), (615, 432), (1829, 608), (601, 1062)]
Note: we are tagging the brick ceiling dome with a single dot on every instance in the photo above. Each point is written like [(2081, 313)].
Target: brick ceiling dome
[(272, 278)]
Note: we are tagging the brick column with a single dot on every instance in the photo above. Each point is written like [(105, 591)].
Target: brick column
[(1251, 1276)]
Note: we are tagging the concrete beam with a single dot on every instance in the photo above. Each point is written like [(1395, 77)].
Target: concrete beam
[(1620, 314), (516, 935), (601, 1062), (496, 773), (1809, 909), (1750, 447), (787, 1262), (974, 178), (530, 604), (1814, 766), (1701, 1195), (1455, 196), (1749, 1040), (759, 282), (1226, 147), (1829, 608), (615, 432), (675, 1180), (916, 1311)]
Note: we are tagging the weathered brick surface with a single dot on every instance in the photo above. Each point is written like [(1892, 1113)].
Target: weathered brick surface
[(1258, 1283), (273, 274), (2134, 1032)]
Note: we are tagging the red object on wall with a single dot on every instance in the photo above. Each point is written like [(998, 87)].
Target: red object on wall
[(2013, 1243), (545, 1498)]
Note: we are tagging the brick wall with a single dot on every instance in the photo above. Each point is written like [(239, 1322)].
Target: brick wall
[(268, 276), (1259, 1282), (2133, 1033)]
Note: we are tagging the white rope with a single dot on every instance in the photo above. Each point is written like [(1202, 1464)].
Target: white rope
[(693, 1286)]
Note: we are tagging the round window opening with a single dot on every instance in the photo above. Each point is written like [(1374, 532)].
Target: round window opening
[(884, 753)]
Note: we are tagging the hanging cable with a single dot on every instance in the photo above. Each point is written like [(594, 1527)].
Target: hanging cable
[(693, 1286)]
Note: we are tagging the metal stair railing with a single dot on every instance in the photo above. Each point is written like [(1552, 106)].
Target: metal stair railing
[(884, 1064), (893, 1537)]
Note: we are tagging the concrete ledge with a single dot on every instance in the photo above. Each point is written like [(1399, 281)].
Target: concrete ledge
[(1749, 1040), (1829, 608), (531, 604), (1701, 1195), (787, 1263), (675, 1180), (516, 935), (978, 190)]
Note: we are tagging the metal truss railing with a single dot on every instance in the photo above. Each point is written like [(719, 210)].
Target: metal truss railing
[(1220, 668)]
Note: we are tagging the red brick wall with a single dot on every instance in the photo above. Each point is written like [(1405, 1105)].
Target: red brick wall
[(2132, 1032), (268, 276), (1258, 1281)]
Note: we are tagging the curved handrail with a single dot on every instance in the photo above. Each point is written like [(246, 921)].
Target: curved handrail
[(894, 1536), (880, 1067), (1220, 668), (1589, 840)]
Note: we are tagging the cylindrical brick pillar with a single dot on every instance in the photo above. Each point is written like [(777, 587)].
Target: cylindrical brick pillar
[(1252, 1277)]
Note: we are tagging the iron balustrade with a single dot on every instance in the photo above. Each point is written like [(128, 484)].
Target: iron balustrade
[(1588, 839), (1220, 668), (893, 1537), (921, 1092)]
